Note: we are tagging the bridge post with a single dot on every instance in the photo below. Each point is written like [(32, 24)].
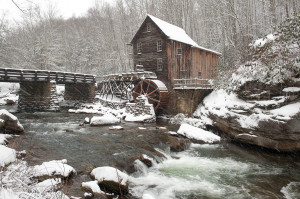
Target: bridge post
[(84, 92), (37, 96)]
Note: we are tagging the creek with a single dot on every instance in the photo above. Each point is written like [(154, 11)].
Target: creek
[(223, 170)]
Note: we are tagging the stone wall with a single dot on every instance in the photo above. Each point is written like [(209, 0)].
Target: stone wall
[(80, 91), (37, 96), (113, 105), (186, 100), (141, 107)]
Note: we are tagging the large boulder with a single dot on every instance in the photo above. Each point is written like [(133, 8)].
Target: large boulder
[(9, 123), (111, 180), (277, 126)]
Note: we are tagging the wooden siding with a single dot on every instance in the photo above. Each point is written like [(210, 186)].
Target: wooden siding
[(148, 57)]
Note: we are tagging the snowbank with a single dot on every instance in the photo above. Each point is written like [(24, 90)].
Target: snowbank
[(110, 174), (197, 134), (8, 92), (53, 168), (104, 120), (3, 138), (7, 155), (48, 185)]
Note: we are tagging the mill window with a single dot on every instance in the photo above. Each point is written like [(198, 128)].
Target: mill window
[(159, 64), (159, 47), (139, 48), (179, 51), (148, 28)]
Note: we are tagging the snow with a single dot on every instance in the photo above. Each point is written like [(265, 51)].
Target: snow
[(8, 92), (192, 132), (176, 33), (48, 185), (53, 168), (261, 42), (93, 186), (104, 120), (139, 118), (3, 138), (287, 111), (8, 194), (291, 89), (7, 155), (109, 174)]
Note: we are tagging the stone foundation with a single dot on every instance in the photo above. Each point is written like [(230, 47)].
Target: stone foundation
[(186, 100), (37, 96)]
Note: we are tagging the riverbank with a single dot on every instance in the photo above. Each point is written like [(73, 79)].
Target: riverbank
[(202, 170)]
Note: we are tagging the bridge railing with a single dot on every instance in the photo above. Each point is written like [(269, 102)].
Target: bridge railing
[(19, 75), (194, 83)]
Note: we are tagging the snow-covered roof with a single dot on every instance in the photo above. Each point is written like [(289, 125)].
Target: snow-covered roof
[(177, 34)]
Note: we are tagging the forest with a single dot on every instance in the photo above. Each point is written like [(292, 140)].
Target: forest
[(99, 41)]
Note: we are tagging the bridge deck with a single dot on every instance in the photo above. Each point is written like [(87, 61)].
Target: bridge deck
[(21, 75)]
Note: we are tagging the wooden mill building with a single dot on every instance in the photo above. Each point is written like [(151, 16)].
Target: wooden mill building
[(168, 51), (179, 62)]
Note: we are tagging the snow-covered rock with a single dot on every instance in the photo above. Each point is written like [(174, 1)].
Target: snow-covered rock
[(104, 120), (197, 134), (7, 155), (116, 128), (54, 168), (11, 122), (93, 187), (112, 179)]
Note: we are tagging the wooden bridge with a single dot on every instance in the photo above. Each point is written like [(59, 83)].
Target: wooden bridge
[(38, 87), (23, 75)]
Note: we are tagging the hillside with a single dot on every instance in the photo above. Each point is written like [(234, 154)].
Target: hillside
[(260, 104)]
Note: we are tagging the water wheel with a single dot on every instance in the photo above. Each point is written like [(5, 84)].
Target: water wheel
[(155, 90)]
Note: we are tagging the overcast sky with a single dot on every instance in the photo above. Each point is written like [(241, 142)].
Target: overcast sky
[(66, 8)]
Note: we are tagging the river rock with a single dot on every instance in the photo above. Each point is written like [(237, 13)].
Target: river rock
[(111, 180), (52, 169), (198, 135), (9, 123)]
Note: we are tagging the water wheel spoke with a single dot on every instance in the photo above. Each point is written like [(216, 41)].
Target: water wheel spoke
[(152, 92), (154, 100), (137, 93), (148, 87)]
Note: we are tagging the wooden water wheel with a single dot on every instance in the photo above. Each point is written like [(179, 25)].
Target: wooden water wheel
[(155, 90)]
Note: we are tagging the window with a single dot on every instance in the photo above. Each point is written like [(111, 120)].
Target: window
[(159, 48), (139, 48), (159, 64), (148, 27), (199, 74), (179, 51)]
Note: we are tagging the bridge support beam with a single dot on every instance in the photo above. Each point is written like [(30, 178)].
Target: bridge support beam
[(186, 100), (84, 92), (37, 96)]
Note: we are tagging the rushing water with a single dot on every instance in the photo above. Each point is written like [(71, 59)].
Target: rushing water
[(223, 170)]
